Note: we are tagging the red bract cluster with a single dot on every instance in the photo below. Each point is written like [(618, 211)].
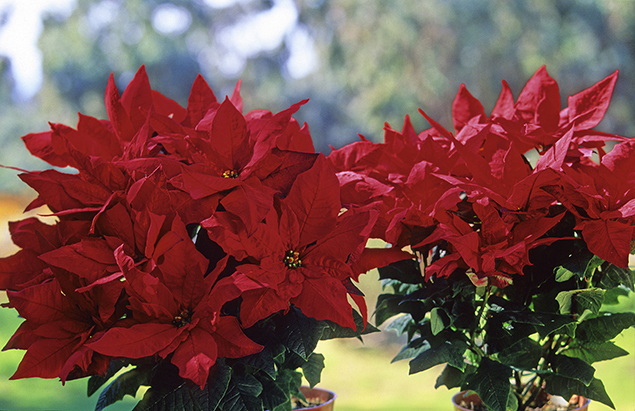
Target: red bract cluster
[(493, 190), (173, 213)]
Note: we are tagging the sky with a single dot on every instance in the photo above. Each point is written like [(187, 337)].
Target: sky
[(21, 26)]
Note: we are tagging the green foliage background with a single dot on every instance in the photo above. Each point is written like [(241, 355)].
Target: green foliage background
[(377, 61)]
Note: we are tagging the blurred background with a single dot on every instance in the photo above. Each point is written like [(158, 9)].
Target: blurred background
[(361, 64)]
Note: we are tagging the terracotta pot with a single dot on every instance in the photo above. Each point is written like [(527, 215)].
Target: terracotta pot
[(326, 397), (469, 398)]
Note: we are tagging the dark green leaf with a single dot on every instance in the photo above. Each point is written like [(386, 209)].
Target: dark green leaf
[(451, 377), (491, 383), (577, 301), (411, 350), (217, 385), (400, 324), (301, 333), (524, 354), (312, 369), (387, 307), (405, 271), (242, 394), (592, 351), (612, 276), (563, 274), (275, 395), (97, 381), (574, 368), (439, 320), (611, 296), (264, 361), (605, 327), (169, 392), (334, 330), (450, 352), (554, 323), (566, 387), (126, 383)]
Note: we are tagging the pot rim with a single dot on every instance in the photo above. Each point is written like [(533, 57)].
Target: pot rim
[(332, 396), (461, 394)]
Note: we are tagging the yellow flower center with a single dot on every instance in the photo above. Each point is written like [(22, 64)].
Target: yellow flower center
[(182, 318), (230, 174), (292, 259)]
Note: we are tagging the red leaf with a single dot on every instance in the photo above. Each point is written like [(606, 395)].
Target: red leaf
[(231, 341), (229, 137), (50, 147), (41, 303), (250, 202), (556, 155), (45, 358), (201, 100), (195, 356), (505, 104), (590, 105), (116, 112), (236, 100), (315, 200), (138, 341), (325, 299), (137, 98), (19, 269), (464, 108), (610, 240), (378, 257), (168, 107)]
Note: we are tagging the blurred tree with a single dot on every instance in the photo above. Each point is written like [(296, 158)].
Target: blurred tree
[(364, 62)]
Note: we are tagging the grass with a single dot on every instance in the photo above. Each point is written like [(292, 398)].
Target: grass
[(360, 373)]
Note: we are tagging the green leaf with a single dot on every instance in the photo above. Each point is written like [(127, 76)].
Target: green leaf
[(612, 276), (524, 354), (611, 296), (571, 367), (439, 320), (242, 394), (169, 392), (302, 333), (333, 330), (97, 381), (566, 387), (176, 398), (578, 301), (491, 383), (557, 323), (451, 377), (605, 327), (400, 324), (126, 383), (217, 385), (264, 361), (387, 306), (563, 274), (275, 395), (592, 266), (411, 350), (580, 265), (592, 351), (404, 271), (312, 369), (450, 352)]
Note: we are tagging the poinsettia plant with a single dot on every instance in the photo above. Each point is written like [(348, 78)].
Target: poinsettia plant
[(199, 251), (518, 228)]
